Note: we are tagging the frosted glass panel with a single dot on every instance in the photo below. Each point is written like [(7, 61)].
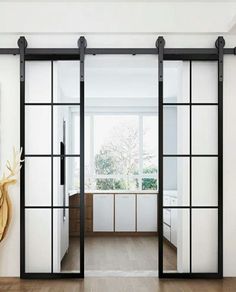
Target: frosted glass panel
[(176, 82), (62, 193), (205, 181), (204, 240), (176, 232), (38, 82), (176, 180), (204, 82), (66, 81), (176, 129), (37, 240), (66, 123), (66, 240), (37, 130), (38, 181), (204, 130)]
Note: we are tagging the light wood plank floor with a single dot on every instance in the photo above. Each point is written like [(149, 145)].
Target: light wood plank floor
[(119, 253), (117, 285)]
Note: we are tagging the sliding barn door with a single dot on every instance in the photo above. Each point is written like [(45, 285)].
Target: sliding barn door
[(190, 165), (52, 188)]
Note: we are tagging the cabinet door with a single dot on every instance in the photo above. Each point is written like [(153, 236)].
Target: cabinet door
[(124, 212), (103, 212), (147, 213), (173, 221), (166, 231), (167, 216)]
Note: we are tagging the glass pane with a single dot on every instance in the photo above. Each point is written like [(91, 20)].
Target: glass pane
[(204, 82), (204, 130), (88, 152), (176, 82), (150, 134), (38, 181), (176, 130), (176, 173), (37, 130), (66, 129), (132, 77), (116, 145), (66, 83), (176, 244), (66, 179), (204, 240), (66, 240), (38, 240), (38, 82), (205, 181)]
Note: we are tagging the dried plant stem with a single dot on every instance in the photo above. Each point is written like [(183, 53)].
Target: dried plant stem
[(5, 201)]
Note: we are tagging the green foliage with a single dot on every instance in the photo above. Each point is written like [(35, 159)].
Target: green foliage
[(149, 184), (120, 156), (105, 162)]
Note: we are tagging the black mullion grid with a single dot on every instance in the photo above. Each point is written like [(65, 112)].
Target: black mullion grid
[(52, 180), (52, 155), (50, 103), (190, 166), (160, 43), (22, 43), (52, 207), (188, 155), (190, 207), (82, 45), (221, 44), (192, 103)]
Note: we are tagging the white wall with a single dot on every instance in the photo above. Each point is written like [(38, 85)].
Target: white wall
[(115, 17), (60, 29), (10, 136)]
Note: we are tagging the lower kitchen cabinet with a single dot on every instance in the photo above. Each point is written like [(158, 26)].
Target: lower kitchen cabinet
[(166, 231), (173, 234), (174, 221), (103, 212), (124, 212), (170, 220), (147, 213), (134, 212)]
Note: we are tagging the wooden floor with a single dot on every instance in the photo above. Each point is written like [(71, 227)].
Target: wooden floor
[(119, 253), (117, 285)]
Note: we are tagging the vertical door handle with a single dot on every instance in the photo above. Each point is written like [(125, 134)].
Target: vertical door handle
[(62, 176), (62, 163)]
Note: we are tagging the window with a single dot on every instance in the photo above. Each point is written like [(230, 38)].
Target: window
[(120, 151)]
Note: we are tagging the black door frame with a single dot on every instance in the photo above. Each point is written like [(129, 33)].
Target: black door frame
[(190, 54), (217, 56), (23, 58)]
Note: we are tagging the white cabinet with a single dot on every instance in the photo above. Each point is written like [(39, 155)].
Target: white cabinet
[(173, 219), (166, 231), (170, 219), (167, 216), (174, 227), (124, 212), (103, 212), (147, 213)]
